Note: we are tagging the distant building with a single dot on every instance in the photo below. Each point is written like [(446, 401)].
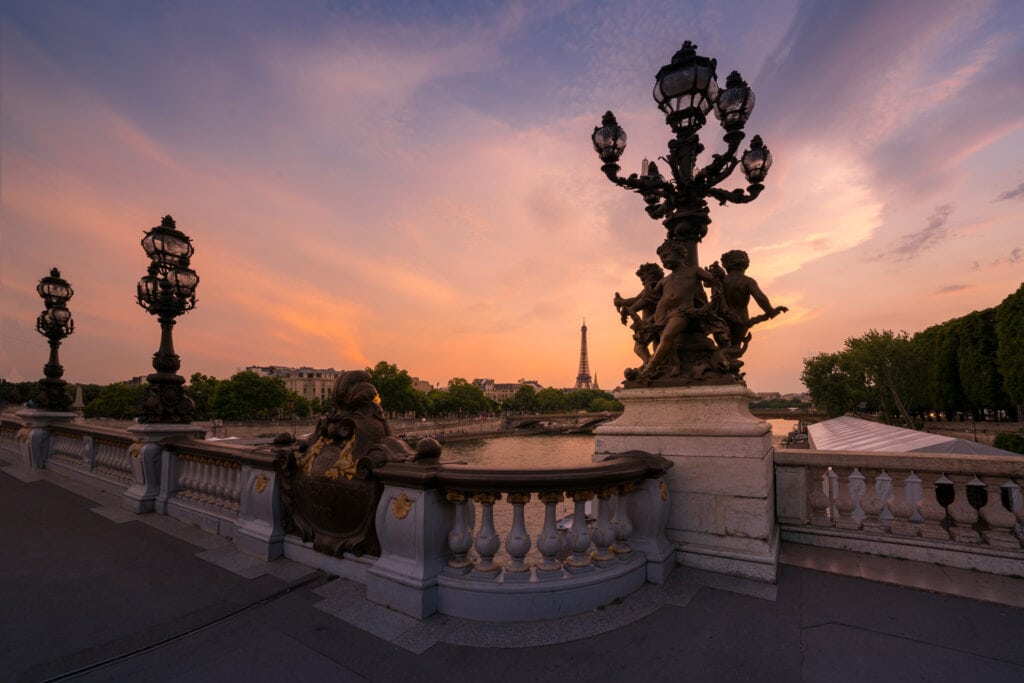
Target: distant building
[(421, 385), (307, 382), (502, 391)]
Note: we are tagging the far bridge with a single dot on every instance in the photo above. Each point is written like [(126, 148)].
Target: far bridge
[(563, 422), (803, 415)]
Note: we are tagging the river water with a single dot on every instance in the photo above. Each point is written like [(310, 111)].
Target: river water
[(544, 450)]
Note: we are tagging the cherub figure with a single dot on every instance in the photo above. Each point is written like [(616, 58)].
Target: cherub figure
[(680, 301), (640, 309), (737, 290)]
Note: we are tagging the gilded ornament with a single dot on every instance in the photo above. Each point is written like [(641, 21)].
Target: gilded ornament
[(261, 483), (400, 506), (136, 448), (663, 490)]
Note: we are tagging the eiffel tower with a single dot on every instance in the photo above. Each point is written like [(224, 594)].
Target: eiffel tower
[(583, 377)]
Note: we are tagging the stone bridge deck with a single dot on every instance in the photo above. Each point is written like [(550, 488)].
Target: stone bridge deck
[(95, 593)]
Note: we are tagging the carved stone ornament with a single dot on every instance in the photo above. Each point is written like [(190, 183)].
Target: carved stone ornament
[(400, 506), (261, 483), (328, 488)]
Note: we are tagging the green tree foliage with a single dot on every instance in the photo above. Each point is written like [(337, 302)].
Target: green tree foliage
[(1010, 442), (117, 401), (461, 398), (553, 401), (834, 383), (397, 394), (17, 393), (601, 404), (203, 390), (972, 364), (248, 396), (525, 400), (1010, 351)]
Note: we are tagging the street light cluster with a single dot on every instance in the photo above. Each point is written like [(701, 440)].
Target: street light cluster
[(54, 323), (686, 90)]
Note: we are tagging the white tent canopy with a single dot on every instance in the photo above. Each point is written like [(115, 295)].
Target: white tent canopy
[(848, 433)]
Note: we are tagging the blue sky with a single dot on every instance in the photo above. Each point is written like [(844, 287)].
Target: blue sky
[(414, 182)]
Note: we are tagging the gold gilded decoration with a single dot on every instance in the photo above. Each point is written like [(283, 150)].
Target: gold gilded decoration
[(580, 496), (261, 483), (23, 433), (135, 448), (550, 498), (455, 497), (663, 490), (486, 498), (343, 465), (400, 506), (518, 498)]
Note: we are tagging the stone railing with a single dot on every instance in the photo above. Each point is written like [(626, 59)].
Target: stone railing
[(435, 558), (228, 490), (958, 510)]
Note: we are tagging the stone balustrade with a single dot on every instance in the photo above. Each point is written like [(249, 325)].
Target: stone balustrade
[(529, 569), (958, 510)]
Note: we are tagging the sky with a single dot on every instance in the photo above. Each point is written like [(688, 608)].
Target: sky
[(414, 181)]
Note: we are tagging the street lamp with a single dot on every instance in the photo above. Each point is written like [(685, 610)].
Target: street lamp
[(55, 324), (167, 290), (686, 90), (695, 339)]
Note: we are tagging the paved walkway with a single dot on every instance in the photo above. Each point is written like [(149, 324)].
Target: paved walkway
[(90, 592)]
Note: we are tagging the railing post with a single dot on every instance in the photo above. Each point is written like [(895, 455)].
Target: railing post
[(548, 540), (932, 513), (602, 534), (517, 542), (1000, 520), (487, 541), (258, 529), (621, 524), (649, 507), (902, 508), (579, 536), (460, 538), (872, 505), (963, 513)]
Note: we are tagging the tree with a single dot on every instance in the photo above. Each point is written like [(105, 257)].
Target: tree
[(248, 396), (977, 353), (461, 398), (203, 390), (834, 384), (888, 364), (397, 394), (525, 400), (117, 401), (552, 401), (1010, 347)]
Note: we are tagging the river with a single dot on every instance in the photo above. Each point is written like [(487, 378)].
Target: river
[(544, 450)]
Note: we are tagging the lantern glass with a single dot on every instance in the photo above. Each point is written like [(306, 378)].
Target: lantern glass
[(756, 161), (609, 139), (687, 89), (735, 103), (61, 315), (184, 281)]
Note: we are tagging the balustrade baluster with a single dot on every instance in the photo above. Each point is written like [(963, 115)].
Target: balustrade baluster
[(185, 476), (602, 534), (236, 487), (579, 536), (883, 489), (517, 542), (1016, 506), (872, 505), (846, 502), (549, 543), (487, 541), (1001, 521), (460, 538), (621, 523), (220, 484), (902, 509), (818, 500), (962, 513), (931, 511)]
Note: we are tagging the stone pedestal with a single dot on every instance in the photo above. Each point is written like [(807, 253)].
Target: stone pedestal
[(34, 438), (722, 514), (146, 455)]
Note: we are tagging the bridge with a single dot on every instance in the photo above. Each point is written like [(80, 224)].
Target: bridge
[(808, 416), (568, 422)]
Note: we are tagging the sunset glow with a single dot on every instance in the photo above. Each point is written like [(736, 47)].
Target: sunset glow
[(412, 183)]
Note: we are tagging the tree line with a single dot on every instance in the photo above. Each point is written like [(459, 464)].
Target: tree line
[(970, 367), (249, 396)]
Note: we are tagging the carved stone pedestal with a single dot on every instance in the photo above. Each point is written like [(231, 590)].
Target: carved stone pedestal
[(722, 514), (148, 462), (34, 438)]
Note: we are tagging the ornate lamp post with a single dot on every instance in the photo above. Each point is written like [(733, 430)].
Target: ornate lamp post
[(695, 340), (55, 324), (167, 290), (686, 90)]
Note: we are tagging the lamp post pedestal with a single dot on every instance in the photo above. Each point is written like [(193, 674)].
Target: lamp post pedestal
[(722, 513), (34, 437), (154, 478)]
